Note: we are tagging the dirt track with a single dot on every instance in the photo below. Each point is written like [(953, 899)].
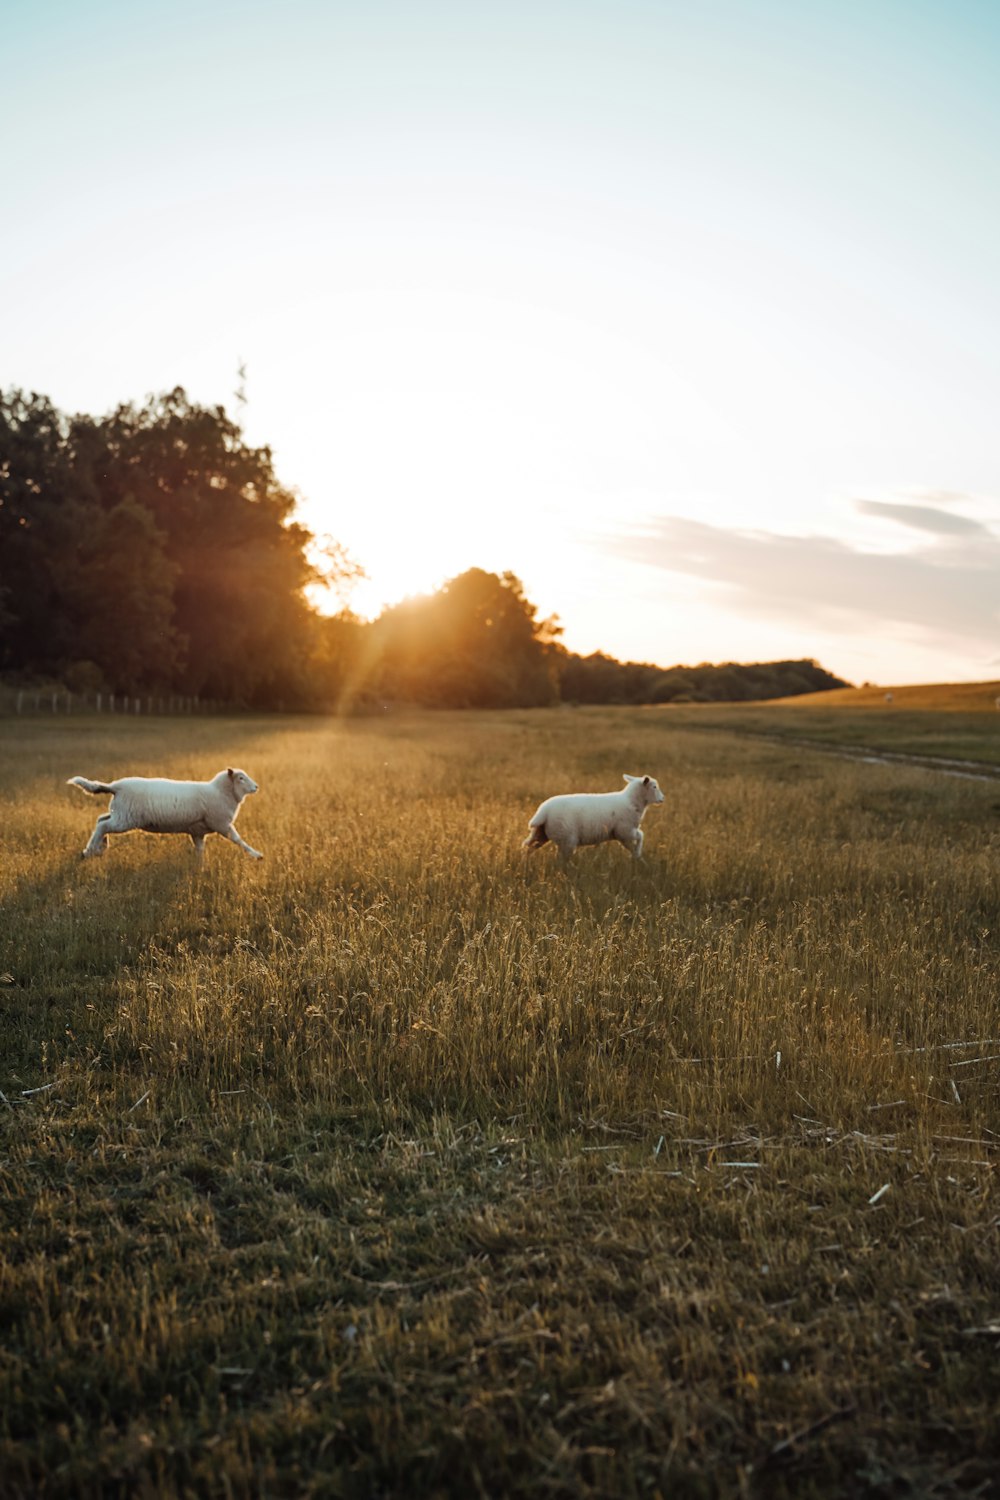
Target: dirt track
[(973, 770)]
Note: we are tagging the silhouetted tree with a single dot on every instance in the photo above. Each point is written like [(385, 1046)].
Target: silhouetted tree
[(156, 544), (35, 479), (601, 679), (475, 643)]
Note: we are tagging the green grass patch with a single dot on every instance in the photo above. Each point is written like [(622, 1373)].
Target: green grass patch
[(966, 734)]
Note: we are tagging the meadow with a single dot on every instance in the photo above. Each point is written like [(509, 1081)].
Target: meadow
[(955, 721), (402, 1163)]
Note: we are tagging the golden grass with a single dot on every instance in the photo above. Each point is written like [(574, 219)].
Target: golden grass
[(959, 723), (941, 697), (403, 1162)]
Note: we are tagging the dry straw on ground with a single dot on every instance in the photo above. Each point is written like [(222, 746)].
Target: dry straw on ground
[(406, 1163)]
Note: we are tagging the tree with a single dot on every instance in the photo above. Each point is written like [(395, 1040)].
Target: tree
[(475, 643), (116, 595), (238, 555), (34, 480), (156, 544)]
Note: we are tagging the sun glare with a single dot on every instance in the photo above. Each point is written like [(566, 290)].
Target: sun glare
[(407, 547), (428, 478)]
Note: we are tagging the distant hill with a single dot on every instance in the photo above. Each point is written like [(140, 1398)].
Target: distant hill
[(955, 697)]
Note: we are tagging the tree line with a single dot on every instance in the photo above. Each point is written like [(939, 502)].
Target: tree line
[(154, 550)]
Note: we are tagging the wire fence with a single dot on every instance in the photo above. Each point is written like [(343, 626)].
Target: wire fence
[(49, 701)]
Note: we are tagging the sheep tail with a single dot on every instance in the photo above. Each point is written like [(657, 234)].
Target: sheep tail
[(90, 786), (536, 838)]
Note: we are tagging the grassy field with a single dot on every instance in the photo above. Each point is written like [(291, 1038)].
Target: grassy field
[(941, 697), (404, 1164), (950, 720)]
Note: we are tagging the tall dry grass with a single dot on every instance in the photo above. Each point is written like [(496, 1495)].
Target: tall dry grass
[(400, 1058), (396, 943)]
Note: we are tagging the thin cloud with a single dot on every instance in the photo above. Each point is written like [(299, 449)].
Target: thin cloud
[(948, 590), (927, 518)]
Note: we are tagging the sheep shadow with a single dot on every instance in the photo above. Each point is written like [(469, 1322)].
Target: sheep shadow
[(77, 931), (93, 916)]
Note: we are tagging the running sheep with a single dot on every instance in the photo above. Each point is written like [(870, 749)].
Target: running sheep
[(157, 805), (594, 817)]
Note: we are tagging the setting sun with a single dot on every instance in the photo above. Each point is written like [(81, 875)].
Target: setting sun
[(650, 305)]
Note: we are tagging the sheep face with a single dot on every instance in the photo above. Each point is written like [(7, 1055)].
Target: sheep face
[(651, 793), (242, 784)]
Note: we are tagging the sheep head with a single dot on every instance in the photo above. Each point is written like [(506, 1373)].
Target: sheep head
[(647, 785)]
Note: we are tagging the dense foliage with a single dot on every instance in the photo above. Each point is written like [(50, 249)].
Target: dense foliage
[(149, 549), (153, 550), (475, 643), (601, 679)]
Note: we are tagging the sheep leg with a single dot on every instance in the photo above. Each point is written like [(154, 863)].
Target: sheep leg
[(99, 837), (198, 840), (630, 839), (115, 820), (234, 838)]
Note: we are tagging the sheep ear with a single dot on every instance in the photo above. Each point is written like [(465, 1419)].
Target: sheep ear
[(232, 773), (645, 781), (627, 777)]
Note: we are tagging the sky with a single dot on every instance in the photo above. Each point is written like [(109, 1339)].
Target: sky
[(687, 314)]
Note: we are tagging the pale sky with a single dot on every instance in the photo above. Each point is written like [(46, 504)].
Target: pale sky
[(688, 314)]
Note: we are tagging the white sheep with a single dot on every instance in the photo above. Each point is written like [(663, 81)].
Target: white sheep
[(158, 805), (593, 817)]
